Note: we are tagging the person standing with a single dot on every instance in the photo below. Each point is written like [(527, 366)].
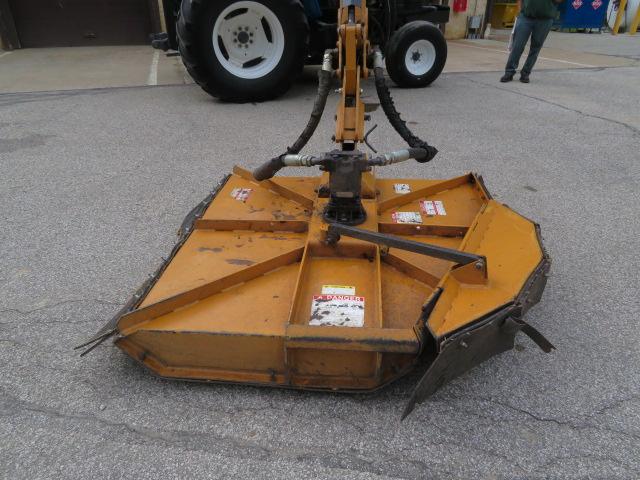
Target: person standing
[(535, 20)]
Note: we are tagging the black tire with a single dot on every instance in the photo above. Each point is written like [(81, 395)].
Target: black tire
[(195, 26), (399, 44)]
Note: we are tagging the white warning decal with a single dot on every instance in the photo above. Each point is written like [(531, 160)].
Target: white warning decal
[(337, 311), (406, 217), (432, 208), (241, 194), (401, 188), (338, 290)]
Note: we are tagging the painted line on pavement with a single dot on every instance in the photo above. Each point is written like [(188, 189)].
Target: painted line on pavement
[(541, 57), (152, 79), (4, 54)]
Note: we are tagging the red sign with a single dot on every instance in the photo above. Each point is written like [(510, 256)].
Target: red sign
[(459, 5), (596, 4), (577, 4)]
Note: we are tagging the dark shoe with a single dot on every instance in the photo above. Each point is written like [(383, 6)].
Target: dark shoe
[(524, 78), (507, 77)]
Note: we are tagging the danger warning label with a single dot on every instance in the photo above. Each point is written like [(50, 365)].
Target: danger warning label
[(406, 217), (241, 194), (337, 311), (401, 188), (432, 208)]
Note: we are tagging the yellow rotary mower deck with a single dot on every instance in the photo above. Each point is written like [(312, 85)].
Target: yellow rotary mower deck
[(272, 283), (254, 293)]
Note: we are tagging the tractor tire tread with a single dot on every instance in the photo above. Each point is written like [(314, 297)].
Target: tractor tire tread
[(394, 58)]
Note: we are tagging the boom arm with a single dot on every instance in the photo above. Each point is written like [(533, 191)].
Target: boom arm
[(353, 51)]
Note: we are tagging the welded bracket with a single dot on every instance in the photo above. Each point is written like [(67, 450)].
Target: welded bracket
[(471, 268)]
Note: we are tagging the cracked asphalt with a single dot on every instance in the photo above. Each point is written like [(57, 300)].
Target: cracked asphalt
[(94, 184)]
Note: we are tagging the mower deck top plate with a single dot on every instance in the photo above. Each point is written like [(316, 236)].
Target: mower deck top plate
[(255, 293)]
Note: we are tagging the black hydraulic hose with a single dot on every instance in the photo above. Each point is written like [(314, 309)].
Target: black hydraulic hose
[(394, 116), (390, 23), (325, 80), (268, 169), (376, 24), (396, 157)]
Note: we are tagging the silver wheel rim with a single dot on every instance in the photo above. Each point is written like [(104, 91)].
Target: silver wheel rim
[(248, 40), (420, 57)]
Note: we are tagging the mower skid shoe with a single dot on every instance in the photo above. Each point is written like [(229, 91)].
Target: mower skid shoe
[(490, 336)]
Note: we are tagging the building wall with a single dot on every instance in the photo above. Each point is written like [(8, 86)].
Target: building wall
[(43, 23), (457, 25)]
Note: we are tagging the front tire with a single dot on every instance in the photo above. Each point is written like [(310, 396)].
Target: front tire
[(416, 54), (243, 50)]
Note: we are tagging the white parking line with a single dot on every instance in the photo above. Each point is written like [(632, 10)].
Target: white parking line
[(543, 58), (152, 79), (4, 54)]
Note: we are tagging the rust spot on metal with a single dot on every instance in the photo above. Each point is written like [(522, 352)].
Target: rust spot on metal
[(278, 237), (210, 249), (280, 215), (239, 261)]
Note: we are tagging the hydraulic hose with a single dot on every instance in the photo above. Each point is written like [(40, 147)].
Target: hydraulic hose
[(394, 116), (397, 157), (325, 80)]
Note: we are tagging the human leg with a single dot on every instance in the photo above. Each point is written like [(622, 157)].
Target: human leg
[(521, 34), (539, 31)]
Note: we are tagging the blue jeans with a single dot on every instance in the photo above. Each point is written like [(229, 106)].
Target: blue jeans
[(537, 29)]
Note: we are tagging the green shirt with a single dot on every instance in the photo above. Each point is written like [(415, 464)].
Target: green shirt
[(539, 8)]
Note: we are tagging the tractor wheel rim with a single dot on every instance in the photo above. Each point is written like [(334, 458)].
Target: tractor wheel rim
[(420, 57), (248, 40)]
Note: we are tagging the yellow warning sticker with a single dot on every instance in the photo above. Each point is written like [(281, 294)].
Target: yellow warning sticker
[(338, 290)]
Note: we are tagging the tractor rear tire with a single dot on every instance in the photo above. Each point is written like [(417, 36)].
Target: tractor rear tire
[(243, 51), (416, 54)]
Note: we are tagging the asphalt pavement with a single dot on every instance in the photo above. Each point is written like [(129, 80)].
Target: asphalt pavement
[(94, 183)]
